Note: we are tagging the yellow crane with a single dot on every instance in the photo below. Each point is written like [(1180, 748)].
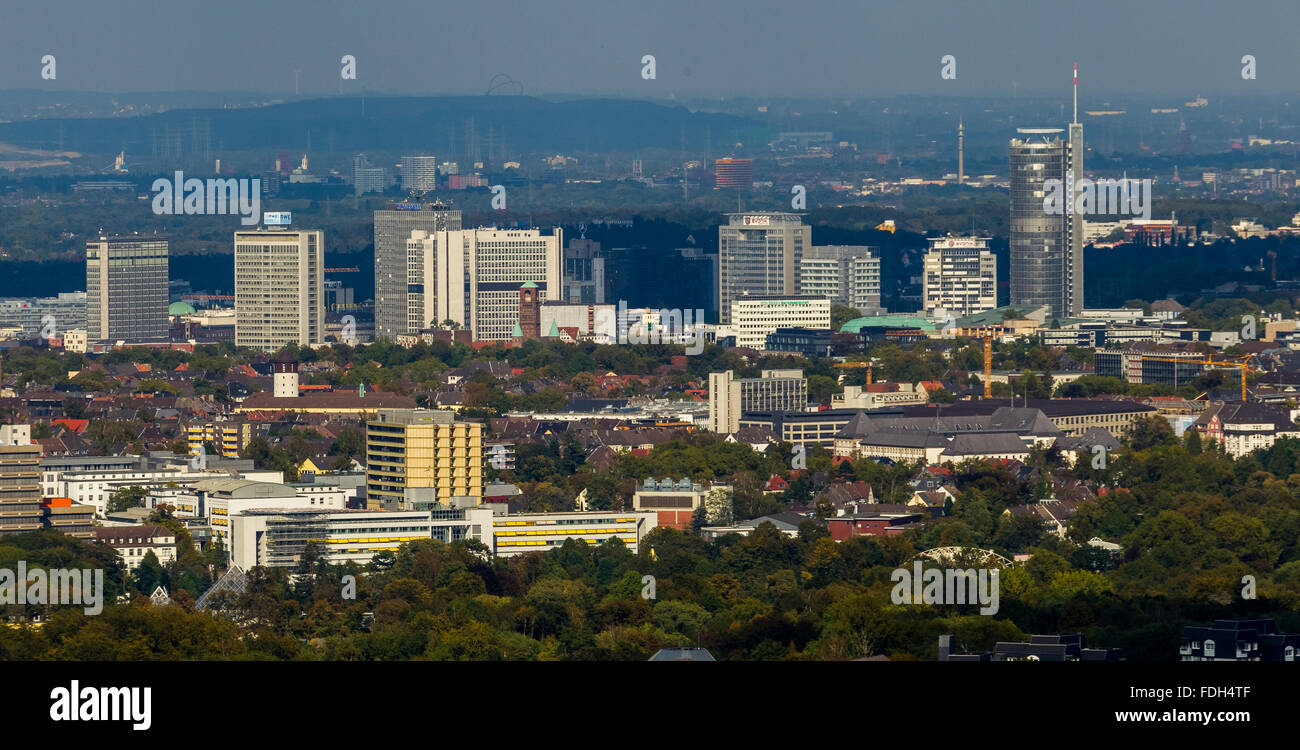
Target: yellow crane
[(1243, 365), (856, 366)]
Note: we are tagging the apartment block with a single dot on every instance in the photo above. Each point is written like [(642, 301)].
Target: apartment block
[(279, 288), (229, 438), (20, 481), (422, 456)]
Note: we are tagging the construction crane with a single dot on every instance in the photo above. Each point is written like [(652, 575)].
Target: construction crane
[(987, 333), (1243, 365), (856, 366)]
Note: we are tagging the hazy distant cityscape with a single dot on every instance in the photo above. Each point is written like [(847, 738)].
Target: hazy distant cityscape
[(958, 368)]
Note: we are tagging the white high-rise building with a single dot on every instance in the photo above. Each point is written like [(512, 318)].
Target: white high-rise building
[(419, 173), (960, 276), (279, 290), (477, 274)]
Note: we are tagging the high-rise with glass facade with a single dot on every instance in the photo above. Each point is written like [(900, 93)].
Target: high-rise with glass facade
[(1046, 247)]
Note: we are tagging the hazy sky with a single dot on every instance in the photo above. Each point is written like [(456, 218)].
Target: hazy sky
[(702, 47)]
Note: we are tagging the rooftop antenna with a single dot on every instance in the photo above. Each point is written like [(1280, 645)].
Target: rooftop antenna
[(1076, 93)]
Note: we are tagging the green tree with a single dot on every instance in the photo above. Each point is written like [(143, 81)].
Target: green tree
[(126, 497)]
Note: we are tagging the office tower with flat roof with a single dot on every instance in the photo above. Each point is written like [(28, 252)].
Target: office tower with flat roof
[(960, 276), (496, 263), (419, 173), (418, 457), (733, 173), (126, 289), (845, 274), (759, 253), (279, 289), (20, 481), (366, 177), (584, 273), (393, 276)]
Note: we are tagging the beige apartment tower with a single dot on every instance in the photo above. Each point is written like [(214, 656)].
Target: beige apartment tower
[(20, 481), (279, 288)]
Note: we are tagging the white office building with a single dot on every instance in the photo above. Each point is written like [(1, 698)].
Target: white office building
[(478, 273), (419, 173), (278, 538), (753, 317), (960, 276)]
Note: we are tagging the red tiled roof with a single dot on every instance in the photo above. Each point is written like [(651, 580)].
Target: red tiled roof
[(76, 425)]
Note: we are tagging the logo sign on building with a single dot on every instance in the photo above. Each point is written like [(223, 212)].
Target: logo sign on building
[(277, 218), (407, 207), (756, 221), (960, 242)]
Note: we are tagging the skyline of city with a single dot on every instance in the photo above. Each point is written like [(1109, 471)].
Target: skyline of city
[(583, 332)]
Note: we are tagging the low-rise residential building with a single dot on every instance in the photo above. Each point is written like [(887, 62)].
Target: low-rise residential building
[(133, 543), (1244, 428), (1238, 640)]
